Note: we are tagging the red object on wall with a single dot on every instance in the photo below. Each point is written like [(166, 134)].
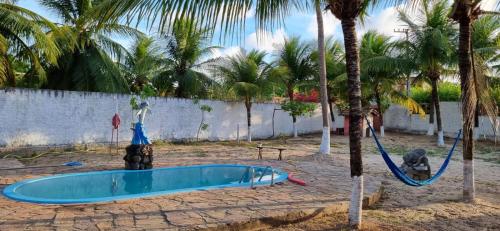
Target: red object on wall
[(346, 125), (376, 122), (116, 121), (312, 97)]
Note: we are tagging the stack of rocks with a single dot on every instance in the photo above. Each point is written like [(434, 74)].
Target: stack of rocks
[(138, 157)]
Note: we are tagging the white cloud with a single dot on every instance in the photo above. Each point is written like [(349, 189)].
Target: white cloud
[(385, 22), (265, 40), (489, 5), (226, 52), (330, 24)]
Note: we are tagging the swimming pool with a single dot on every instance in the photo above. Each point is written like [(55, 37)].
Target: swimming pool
[(101, 186)]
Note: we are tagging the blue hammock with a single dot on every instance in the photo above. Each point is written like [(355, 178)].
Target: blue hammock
[(402, 175)]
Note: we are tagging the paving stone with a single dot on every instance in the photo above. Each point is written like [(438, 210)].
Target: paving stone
[(185, 218)]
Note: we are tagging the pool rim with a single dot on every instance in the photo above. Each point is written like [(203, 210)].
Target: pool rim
[(10, 190)]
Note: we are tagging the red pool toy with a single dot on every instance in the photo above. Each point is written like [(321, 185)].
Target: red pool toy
[(295, 180)]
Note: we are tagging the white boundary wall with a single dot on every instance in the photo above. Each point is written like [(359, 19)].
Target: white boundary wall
[(48, 117), (397, 118)]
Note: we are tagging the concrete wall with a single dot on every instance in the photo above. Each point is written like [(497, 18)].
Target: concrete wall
[(46, 117), (397, 118)]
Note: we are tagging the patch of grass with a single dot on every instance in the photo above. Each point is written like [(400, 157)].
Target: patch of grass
[(397, 150), (159, 142), (200, 154)]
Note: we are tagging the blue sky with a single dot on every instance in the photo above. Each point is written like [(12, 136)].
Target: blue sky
[(301, 24)]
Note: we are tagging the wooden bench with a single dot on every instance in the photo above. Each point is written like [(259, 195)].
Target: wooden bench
[(280, 149)]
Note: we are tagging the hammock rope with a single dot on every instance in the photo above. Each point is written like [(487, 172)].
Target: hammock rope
[(401, 175)]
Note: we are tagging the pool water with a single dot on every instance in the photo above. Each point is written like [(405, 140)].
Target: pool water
[(112, 185)]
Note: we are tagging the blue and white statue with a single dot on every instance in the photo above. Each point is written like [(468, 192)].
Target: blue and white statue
[(139, 131)]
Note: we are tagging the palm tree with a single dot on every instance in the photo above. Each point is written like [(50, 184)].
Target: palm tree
[(23, 37), (294, 68), (465, 12), (324, 147), (186, 48), (432, 37), (144, 63), (347, 12), (335, 74), (380, 72), (246, 74), (485, 45), (88, 60)]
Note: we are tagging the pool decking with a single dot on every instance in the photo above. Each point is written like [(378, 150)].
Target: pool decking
[(328, 187)]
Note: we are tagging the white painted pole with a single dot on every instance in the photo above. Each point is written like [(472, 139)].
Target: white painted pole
[(238, 133)]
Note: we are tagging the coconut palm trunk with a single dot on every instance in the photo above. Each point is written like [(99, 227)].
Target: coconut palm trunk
[(248, 105), (355, 118), (381, 113), (294, 118), (325, 139), (430, 130), (332, 114), (435, 99), (469, 98), (476, 121)]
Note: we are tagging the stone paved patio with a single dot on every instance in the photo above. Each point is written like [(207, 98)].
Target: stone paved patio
[(328, 186)]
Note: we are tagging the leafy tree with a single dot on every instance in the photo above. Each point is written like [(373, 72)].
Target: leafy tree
[(335, 74), (88, 59), (247, 76), (23, 38), (486, 52), (186, 51), (298, 108), (432, 37), (204, 109), (379, 75), (295, 67), (143, 64)]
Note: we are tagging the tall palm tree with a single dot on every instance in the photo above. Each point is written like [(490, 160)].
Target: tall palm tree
[(294, 68), (380, 72), (88, 60), (485, 41), (432, 37), (347, 11), (246, 74), (144, 63), (324, 147), (465, 12), (187, 50), (335, 74), (23, 37)]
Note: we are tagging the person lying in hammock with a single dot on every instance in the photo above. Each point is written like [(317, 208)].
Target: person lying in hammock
[(416, 165)]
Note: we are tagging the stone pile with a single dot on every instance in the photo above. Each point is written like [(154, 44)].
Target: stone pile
[(138, 157)]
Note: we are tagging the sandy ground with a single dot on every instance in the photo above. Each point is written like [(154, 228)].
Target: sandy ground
[(435, 207)]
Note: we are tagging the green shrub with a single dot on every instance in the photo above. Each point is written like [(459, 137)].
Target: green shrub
[(495, 94), (296, 108), (447, 92), (421, 95)]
